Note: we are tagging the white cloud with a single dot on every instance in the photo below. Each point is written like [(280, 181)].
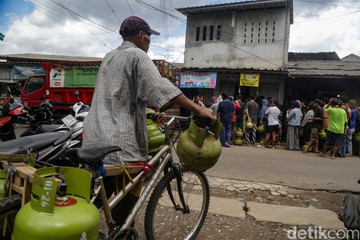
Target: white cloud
[(90, 28), (332, 29)]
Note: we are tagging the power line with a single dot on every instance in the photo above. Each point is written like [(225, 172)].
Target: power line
[(54, 12), (131, 10), (141, 2), (112, 10), (62, 6), (323, 19), (342, 36), (328, 3)]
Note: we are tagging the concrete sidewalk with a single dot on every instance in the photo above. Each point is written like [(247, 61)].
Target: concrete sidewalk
[(290, 215)]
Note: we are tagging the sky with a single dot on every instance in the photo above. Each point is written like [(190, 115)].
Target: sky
[(90, 27)]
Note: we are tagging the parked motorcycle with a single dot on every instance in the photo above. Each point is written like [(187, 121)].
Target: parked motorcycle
[(48, 146), (74, 122), (11, 111), (42, 114)]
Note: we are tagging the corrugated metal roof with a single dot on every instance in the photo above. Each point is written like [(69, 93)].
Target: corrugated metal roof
[(324, 68), (306, 56), (240, 7)]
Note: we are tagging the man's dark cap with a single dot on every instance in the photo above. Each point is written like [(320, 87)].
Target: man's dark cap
[(133, 25)]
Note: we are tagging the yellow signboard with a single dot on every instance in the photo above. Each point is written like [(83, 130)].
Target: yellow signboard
[(249, 79)]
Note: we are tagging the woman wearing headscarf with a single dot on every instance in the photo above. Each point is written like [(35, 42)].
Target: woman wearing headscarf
[(294, 122)]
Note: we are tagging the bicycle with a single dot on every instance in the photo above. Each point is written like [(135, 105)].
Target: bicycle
[(176, 209)]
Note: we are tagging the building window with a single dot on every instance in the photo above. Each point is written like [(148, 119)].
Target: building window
[(204, 33), (273, 34), (211, 34), (218, 32), (197, 35), (258, 32)]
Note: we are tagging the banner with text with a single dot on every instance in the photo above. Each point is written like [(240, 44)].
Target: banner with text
[(198, 80), (73, 77), (23, 72), (249, 79)]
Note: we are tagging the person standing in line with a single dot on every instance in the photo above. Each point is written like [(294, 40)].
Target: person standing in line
[(351, 130), (202, 100), (325, 101), (343, 103), (336, 128), (316, 126), (225, 114), (294, 120), (272, 127), (234, 118), (306, 123), (240, 112), (127, 81), (251, 110), (196, 99), (214, 105), (262, 118), (356, 147)]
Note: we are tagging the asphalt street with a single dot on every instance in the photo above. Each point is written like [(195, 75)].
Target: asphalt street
[(290, 168), (284, 167)]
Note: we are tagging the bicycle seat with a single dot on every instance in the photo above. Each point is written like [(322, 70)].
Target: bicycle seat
[(33, 142), (90, 156)]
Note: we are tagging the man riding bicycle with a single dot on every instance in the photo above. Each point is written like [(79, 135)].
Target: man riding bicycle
[(127, 81)]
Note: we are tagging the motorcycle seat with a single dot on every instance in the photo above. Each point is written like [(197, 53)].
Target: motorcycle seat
[(33, 142), (44, 128)]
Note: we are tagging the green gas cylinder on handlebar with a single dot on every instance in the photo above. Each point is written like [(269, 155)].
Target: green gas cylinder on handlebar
[(198, 147), (58, 212), (155, 134)]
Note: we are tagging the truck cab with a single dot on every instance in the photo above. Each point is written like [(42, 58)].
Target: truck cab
[(59, 84)]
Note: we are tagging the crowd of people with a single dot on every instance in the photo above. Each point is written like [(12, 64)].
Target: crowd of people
[(318, 126)]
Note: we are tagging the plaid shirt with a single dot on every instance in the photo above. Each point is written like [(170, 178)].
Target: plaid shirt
[(127, 80)]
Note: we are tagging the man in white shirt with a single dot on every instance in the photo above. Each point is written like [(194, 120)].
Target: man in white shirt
[(273, 113)]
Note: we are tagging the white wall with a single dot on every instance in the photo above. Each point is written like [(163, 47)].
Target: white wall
[(235, 49)]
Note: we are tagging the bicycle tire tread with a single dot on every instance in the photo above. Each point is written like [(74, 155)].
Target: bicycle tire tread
[(159, 190)]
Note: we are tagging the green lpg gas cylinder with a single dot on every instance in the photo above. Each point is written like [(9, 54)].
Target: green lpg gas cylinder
[(2, 182), (156, 136), (199, 149), (55, 216)]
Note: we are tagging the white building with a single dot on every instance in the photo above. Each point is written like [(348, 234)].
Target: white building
[(243, 37)]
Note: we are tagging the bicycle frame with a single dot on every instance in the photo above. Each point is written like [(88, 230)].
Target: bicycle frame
[(164, 156)]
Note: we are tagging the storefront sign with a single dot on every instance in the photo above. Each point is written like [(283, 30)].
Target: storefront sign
[(198, 80), (249, 79)]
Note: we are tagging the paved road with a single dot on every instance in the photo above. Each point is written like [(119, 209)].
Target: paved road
[(291, 168), (280, 166)]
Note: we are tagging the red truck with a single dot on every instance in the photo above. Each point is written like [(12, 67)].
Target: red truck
[(62, 79), (59, 83)]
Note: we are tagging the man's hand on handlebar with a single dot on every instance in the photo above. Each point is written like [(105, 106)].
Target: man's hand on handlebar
[(206, 113)]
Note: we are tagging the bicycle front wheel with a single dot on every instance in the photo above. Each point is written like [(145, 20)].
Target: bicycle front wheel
[(165, 219)]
